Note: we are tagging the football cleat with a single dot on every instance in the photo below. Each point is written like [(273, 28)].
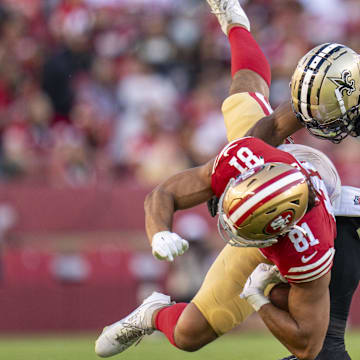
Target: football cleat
[(292, 357), (229, 12), (122, 334)]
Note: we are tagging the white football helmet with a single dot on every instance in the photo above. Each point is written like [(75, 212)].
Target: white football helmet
[(325, 92)]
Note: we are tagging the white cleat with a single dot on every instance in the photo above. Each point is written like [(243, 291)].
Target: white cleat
[(119, 336), (229, 12)]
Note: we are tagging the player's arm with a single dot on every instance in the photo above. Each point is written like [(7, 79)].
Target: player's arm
[(302, 330), (181, 191), (275, 128)]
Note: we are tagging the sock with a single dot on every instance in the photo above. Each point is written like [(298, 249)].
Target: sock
[(167, 318), (246, 54)]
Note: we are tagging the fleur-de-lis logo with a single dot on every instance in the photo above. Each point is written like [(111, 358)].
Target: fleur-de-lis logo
[(344, 84)]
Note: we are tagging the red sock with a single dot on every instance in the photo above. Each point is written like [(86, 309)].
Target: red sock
[(246, 54), (167, 318)]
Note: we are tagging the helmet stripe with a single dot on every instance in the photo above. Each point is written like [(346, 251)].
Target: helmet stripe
[(265, 194), (261, 187), (301, 82), (265, 200), (305, 85)]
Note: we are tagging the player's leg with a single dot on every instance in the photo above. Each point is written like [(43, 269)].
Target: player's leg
[(185, 326), (345, 277), (250, 70), (216, 308), (251, 76), (217, 302)]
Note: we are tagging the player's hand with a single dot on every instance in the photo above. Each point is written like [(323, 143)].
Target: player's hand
[(260, 278), (166, 245)]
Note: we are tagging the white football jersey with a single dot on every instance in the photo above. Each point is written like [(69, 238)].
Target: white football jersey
[(322, 164), (344, 199)]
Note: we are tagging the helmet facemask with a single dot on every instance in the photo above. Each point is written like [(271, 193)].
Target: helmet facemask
[(336, 130)]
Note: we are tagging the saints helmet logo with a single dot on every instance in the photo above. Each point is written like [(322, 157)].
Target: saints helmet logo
[(344, 84)]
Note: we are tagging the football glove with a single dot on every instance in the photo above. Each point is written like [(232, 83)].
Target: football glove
[(212, 205), (260, 278), (166, 245)]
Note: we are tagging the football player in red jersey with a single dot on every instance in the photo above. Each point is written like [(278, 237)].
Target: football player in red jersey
[(285, 220), (277, 213)]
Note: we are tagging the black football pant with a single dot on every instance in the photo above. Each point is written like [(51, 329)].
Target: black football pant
[(345, 277)]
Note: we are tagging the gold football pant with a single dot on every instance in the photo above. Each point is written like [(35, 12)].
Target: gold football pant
[(242, 111), (218, 298)]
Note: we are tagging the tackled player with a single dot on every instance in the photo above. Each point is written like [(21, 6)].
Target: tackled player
[(275, 210)]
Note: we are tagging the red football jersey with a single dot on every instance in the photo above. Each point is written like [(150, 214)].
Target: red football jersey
[(301, 256)]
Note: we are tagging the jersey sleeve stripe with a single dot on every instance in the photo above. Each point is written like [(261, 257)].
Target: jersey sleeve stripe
[(330, 253), (229, 145), (313, 273), (314, 277), (265, 101)]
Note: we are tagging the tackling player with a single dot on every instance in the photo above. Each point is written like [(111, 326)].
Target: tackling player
[(268, 200), (303, 252)]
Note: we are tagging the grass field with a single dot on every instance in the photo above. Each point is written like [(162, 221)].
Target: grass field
[(242, 346)]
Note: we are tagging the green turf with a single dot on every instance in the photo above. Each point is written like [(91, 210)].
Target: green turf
[(242, 346)]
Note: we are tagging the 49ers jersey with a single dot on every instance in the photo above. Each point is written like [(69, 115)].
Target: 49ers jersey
[(305, 253)]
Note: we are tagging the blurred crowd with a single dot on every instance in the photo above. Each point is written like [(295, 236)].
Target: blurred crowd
[(93, 91)]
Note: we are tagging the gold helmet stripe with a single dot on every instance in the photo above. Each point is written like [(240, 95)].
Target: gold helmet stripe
[(312, 67), (261, 195), (306, 110)]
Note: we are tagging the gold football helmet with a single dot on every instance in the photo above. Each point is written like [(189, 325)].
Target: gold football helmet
[(325, 91), (261, 204)]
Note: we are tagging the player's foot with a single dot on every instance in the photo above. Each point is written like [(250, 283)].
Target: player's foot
[(229, 12), (119, 336), (292, 357)]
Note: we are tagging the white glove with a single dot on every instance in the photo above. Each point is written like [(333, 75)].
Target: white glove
[(260, 278), (166, 245)]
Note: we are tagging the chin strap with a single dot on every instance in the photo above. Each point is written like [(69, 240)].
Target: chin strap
[(340, 100)]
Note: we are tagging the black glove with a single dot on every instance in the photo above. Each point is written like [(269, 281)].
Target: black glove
[(357, 126), (213, 205)]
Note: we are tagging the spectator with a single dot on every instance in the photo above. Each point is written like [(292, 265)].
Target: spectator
[(94, 91)]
